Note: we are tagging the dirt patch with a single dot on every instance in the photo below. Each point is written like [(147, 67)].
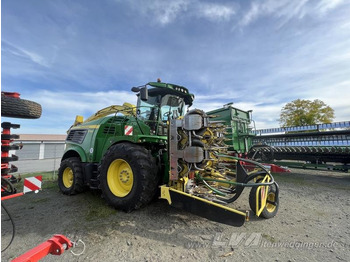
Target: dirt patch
[(312, 225)]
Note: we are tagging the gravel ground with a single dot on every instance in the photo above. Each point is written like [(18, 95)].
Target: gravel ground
[(312, 225)]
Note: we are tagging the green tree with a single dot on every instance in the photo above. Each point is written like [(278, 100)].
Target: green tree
[(305, 112)]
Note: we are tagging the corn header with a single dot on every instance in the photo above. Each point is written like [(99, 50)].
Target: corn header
[(204, 179)]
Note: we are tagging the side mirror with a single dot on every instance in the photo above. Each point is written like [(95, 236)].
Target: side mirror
[(135, 89), (144, 94)]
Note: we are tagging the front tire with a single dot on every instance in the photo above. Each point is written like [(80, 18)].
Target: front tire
[(272, 202), (70, 176), (128, 176)]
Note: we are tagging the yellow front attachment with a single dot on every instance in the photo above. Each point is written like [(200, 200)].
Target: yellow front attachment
[(120, 178), (68, 177), (165, 194), (203, 207), (262, 193)]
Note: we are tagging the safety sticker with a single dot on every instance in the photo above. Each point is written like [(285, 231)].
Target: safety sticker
[(128, 130), (32, 184)]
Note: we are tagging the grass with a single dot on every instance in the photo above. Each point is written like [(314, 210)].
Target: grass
[(97, 208), (49, 185), (49, 180), (47, 176)]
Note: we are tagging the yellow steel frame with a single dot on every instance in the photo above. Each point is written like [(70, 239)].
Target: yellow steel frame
[(165, 194), (263, 192)]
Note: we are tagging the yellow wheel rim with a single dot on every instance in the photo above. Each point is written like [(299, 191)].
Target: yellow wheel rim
[(120, 178), (270, 207), (68, 177)]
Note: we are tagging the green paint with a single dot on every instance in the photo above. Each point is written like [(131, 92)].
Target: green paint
[(239, 132)]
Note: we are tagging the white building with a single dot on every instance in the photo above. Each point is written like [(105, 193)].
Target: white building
[(39, 146)]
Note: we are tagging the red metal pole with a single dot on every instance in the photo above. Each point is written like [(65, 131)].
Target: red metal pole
[(55, 246), (12, 196)]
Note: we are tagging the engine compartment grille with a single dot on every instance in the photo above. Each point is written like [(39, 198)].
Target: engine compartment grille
[(77, 135)]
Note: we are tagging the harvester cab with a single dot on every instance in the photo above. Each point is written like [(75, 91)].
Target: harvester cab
[(128, 152), (159, 102)]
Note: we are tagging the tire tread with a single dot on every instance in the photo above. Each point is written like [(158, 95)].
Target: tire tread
[(144, 168)]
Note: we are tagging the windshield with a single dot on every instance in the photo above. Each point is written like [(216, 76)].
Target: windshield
[(158, 109), (172, 107), (148, 110)]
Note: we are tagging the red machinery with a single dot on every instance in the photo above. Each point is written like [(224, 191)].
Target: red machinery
[(54, 246), (7, 188), (13, 106)]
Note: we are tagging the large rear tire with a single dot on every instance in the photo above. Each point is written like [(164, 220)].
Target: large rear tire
[(70, 176), (19, 108), (128, 176)]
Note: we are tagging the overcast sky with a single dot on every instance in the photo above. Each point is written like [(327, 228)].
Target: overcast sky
[(76, 57)]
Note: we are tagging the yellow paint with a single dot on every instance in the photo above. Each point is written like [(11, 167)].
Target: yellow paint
[(227, 159), (259, 191), (86, 127), (271, 197), (209, 137), (78, 120), (68, 177), (200, 199), (120, 178), (126, 109), (164, 193), (128, 105)]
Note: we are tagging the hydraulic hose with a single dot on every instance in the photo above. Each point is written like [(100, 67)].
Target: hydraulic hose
[(254, 175), (238, 184)]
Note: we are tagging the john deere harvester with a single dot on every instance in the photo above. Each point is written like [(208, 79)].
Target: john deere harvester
[(129, 152)]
